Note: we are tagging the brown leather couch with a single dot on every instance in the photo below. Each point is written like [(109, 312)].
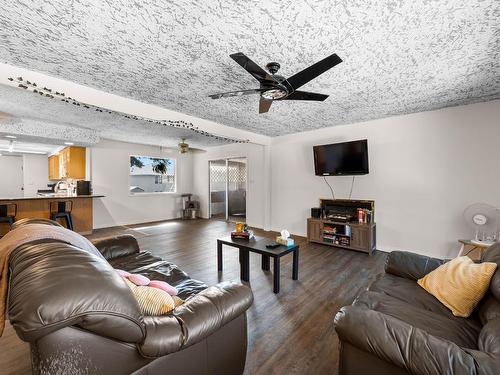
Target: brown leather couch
[(80, 317), (396, 327)]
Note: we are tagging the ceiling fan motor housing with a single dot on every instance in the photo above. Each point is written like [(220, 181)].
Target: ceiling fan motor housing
[(273, 67)]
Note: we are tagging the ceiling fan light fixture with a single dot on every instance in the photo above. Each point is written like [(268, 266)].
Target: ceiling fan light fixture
[(273, 94), (183, 146)]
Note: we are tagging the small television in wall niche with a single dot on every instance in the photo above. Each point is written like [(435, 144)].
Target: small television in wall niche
[(341, 159)]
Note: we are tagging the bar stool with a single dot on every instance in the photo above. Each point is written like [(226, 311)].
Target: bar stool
[(61, 211), (4, 213)]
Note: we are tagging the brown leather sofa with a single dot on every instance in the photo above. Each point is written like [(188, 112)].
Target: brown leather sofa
[(396, 327), (80, 317)]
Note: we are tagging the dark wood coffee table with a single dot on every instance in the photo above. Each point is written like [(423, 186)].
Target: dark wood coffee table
[(258, 245)]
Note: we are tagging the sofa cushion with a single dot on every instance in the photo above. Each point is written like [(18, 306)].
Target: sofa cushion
[(152, 301), (114, 247), (462, 333), (163, 285), (493, 255), (410, 265), (54, 285), (155, 268), (408, 291), (407, 347), (195, 320), (489, 338), (488, 309), (459, 284)]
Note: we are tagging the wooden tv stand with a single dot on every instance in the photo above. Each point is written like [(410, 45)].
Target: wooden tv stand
[(352, 235)]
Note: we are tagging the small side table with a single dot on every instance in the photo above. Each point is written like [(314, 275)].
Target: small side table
[(472, 249)]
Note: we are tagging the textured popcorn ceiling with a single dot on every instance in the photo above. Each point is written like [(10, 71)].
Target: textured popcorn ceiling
[(42, 117), (399, 56)]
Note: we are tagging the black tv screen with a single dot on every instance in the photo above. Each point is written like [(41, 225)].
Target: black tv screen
[(341, 159)]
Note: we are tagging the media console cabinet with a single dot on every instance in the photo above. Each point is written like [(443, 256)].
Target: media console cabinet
[(350, 235)]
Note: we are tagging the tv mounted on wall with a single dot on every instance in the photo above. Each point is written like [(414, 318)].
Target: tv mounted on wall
[(341, 159)]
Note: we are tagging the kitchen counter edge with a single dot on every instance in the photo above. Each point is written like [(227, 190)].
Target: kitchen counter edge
[(51, 197)]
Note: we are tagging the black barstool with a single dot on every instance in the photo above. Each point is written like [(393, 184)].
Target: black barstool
[(63, 211), (4, 213)]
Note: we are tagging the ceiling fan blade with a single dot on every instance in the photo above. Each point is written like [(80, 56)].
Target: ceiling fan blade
[(256, 71), (308, 74), (304, 95), (235, 93), (264, 105)]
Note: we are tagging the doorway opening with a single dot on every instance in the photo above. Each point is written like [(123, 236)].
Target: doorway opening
[(228, 189)]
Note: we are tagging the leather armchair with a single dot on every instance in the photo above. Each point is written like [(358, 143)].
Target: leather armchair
[(79, 316), (396, 327)]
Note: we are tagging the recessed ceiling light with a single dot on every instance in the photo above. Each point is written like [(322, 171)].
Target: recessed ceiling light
[(69, 143), (11, 136)]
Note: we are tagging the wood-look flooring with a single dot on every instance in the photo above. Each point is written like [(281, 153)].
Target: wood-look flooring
[(290, 332)]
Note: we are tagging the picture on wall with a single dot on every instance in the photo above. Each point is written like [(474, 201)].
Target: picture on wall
[(151, 175)]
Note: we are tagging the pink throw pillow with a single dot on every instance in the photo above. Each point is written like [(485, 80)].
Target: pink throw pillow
[(163, 286), (123, 273), (139, 279)]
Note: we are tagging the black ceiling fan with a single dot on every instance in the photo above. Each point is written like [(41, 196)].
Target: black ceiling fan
[(276, 87)]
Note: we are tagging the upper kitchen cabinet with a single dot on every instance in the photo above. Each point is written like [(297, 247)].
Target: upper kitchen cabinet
[(54, 167), (68, 163)]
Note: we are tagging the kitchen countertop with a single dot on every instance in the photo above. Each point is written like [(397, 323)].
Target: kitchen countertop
[(63, 197)]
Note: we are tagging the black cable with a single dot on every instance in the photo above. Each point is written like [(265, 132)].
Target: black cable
[(352, 185), (333, 195)]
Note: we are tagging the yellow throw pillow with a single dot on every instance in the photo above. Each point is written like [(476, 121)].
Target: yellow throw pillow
[(153, 301), (459, 284)]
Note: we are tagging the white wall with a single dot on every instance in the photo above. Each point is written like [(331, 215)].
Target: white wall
[(425, 169), (256, 186), (110, 169), (11, 180), (35, 173)]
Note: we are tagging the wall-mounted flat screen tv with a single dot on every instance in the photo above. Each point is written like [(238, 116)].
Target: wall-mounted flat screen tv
[(341, 159)]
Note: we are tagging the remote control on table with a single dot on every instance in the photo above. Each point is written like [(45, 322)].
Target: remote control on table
[(273, 245)]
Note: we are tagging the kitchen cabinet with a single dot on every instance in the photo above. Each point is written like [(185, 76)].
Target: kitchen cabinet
[(54, 167), (70, 162)]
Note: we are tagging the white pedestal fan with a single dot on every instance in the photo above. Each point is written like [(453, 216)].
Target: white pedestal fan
[(484, 219)]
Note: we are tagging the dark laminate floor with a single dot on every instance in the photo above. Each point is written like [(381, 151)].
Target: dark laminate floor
[(289, 333)]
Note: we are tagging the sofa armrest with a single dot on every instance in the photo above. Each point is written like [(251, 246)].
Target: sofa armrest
[(117, 246), (407, 347), (196, 319), (410, 265)]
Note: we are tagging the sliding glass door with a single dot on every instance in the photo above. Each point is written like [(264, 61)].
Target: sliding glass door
[(237, 189), (218, 187), (228, 189)]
